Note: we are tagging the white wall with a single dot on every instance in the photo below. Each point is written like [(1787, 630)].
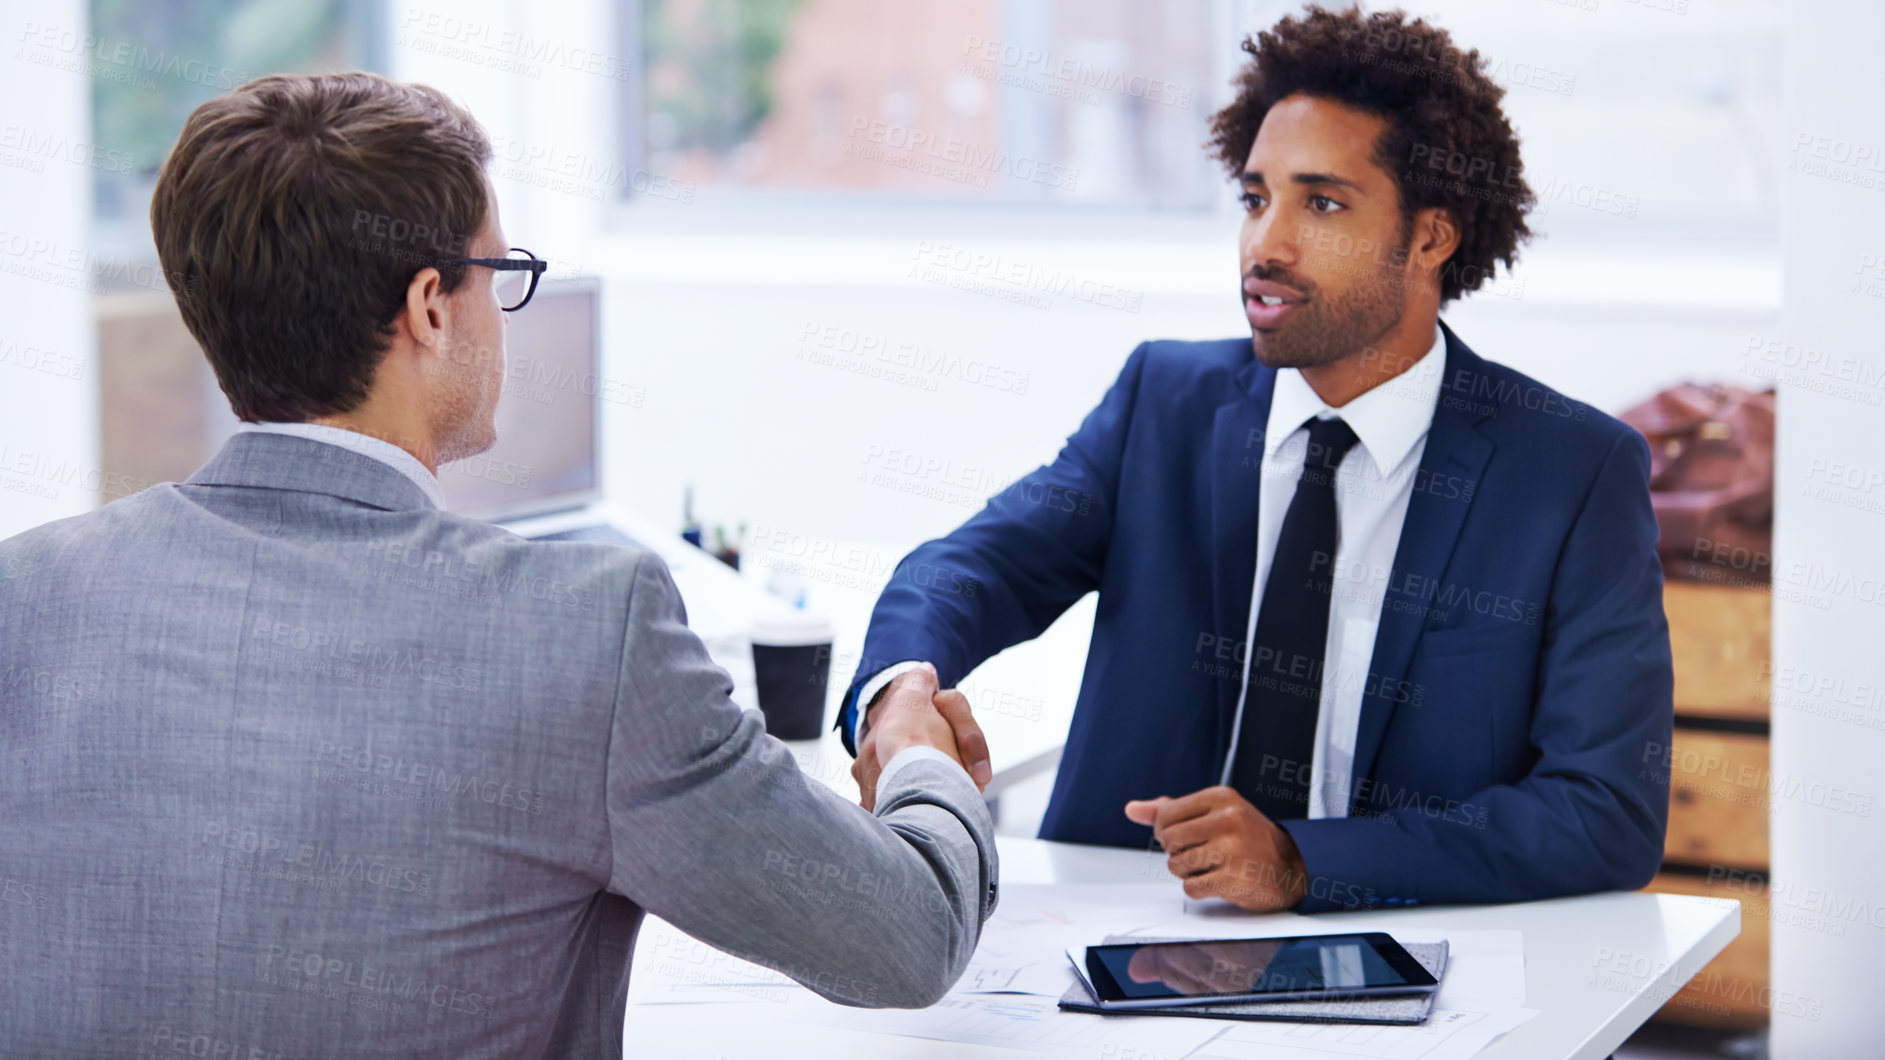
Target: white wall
[(1829, 694), (48, 367)]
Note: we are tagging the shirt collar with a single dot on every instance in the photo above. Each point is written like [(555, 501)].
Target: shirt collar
[(1388, 419), (364, 444)]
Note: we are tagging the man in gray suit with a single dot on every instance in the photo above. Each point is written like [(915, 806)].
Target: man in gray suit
[(294, 763)]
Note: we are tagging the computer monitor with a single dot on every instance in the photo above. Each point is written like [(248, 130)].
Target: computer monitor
[(545, 457)]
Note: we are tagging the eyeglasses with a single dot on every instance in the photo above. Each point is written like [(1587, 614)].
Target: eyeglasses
[(516, 278)]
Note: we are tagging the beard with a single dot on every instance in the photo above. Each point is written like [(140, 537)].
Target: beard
[(465, 420), (1328, 328), (474, 436)]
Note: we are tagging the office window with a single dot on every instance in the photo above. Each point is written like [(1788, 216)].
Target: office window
[(1075, 101), (1636, 116), (152, 62)]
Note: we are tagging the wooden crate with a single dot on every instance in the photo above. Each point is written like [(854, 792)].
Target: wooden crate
[(1731, 990), (1720, 637), (1718, 799)]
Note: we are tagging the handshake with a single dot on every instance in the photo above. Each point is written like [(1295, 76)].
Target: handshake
[(912, 712), (1214, 839)]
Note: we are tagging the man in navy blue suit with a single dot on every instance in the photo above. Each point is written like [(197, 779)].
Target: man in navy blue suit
[(1380, 621)]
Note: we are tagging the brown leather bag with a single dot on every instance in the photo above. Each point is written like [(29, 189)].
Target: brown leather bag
[(1711, 480)]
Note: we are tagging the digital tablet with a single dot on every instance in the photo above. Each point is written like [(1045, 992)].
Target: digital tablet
[(1214, 971)]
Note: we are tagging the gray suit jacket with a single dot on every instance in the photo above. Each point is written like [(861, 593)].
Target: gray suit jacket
[(294, 764)]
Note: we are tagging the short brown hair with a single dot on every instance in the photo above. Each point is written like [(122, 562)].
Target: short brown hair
[(1440, 108), (290, 219)]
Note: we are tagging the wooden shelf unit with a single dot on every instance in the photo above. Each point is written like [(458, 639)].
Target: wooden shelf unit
[(1719, 789)]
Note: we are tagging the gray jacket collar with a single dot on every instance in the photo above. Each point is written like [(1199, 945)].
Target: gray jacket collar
[(285, 462)]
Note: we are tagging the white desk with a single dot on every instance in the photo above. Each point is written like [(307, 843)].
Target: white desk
[(1574, 948)]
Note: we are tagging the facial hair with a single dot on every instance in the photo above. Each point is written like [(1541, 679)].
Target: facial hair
[(1328, 328), (465, 424)]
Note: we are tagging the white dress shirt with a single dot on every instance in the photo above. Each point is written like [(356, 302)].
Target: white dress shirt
[(366, 445), (1372, 490)]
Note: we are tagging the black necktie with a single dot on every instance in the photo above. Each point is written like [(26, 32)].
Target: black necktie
[(1276, 741)]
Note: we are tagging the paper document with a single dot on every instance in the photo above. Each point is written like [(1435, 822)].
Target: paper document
[(1009, 995), (1447, 1035), (1023, 1021), (1024, 945), (1486, 971)]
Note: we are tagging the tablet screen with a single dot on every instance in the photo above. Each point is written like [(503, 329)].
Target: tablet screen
[(1333, 964)]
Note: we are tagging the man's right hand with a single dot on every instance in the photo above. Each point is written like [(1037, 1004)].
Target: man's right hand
[(910, 712)]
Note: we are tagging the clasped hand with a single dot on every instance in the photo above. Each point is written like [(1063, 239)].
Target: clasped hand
[(912, 712)]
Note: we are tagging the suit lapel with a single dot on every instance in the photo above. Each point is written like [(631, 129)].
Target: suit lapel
[(1236, 474), (1455, 455)]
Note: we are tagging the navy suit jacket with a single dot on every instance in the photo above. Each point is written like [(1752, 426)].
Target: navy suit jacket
[(1520, 697)]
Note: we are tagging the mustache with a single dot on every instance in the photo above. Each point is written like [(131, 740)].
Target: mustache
[(1282, 276)]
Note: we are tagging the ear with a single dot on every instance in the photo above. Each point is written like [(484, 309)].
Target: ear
[(424, 314), (1436, 237)]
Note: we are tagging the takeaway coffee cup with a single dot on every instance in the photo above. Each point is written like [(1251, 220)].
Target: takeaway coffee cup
[(791, 668)]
